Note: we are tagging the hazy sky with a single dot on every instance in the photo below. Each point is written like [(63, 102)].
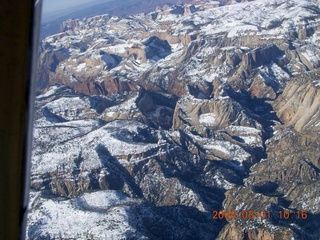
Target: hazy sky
[(50, 6)]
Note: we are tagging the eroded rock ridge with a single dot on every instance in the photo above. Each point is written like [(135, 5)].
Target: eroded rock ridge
[(155, 120)]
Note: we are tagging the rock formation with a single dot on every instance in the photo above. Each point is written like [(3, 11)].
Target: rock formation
[(158, 119)]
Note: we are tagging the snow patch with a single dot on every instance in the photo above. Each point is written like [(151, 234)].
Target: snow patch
[(208, 119)]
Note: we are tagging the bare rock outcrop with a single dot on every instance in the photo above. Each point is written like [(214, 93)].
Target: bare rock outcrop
[(232, 231), (188, 110), (299, 106), (277, 184), (223, 111)]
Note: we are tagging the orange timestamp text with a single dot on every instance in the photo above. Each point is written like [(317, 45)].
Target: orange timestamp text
[(263, 214)]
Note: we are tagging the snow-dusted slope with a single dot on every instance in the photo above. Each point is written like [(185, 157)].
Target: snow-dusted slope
[(155, 120), (98, 215), (105, 47)]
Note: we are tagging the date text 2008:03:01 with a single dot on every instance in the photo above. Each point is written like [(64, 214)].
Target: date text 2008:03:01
[(263, 214)]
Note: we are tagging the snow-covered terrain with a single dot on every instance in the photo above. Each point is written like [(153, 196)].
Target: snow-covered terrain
[(98, 215), (145, 124)]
